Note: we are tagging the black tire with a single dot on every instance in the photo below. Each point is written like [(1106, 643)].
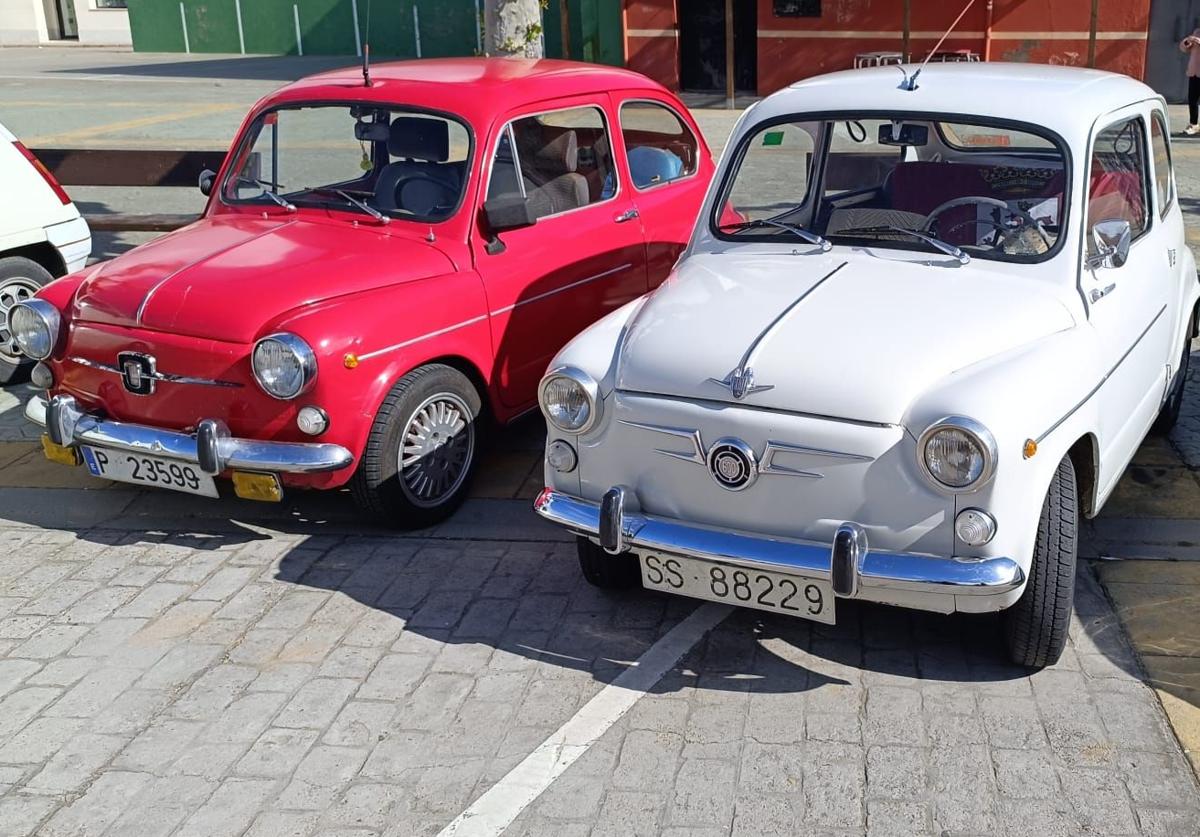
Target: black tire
[(608, 572), (20, 278), (1035, 628), (1168, 416), (435, 483)]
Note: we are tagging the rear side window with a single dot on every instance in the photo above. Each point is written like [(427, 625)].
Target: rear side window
[(1119, 178), (659, 146), (1162, 164), (560, 161)]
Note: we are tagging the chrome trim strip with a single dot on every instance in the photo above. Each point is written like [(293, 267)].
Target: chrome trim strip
[(542, 296), (1110, 373), (437, 333), (76, 427), (749, 356), (157, 374), (878, 570), (763, 465), (696, 400), (693, 436)]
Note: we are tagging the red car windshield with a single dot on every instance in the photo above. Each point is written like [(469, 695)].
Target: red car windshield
[(381, 161)]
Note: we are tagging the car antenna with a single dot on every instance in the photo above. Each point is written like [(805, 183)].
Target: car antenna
[(910, 82), (366, 51)]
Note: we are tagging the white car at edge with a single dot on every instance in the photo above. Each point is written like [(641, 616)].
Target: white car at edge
[(42, 236), (917, 336)]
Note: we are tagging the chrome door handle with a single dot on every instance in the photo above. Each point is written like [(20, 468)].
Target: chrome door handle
[(1098, 294), (627, 215)]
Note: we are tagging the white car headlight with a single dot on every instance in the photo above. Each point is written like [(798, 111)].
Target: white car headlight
[(957, 454), (284, 365), (570, 399), (35, 325)]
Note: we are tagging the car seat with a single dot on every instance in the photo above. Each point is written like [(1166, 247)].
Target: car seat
[(421, 182)]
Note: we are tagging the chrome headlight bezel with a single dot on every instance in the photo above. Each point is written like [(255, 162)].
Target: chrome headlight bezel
[(304, 356), (48, 319), (979, 436), (591, 391)]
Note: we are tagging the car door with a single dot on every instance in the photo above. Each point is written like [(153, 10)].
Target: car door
[(1181, 277), (583, 257), (669, 170), (1129, 306)]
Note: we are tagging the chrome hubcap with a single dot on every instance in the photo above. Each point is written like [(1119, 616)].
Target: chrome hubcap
[(13, 290), (436, 451)]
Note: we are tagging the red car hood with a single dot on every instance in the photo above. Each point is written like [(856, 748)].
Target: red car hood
[(225, 278)]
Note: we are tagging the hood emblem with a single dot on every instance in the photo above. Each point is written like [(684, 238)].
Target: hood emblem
[(740, 382)]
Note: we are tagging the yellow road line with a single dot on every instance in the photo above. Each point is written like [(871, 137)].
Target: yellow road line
[(131, 124)]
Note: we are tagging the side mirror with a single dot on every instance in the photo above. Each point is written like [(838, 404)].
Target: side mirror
[(509, 212), (207, 177), (1112, 239)]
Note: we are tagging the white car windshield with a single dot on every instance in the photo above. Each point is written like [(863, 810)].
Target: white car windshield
[(387, 162), (900, 182)]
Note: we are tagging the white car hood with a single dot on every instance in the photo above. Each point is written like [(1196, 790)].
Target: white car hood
[(845, 334)]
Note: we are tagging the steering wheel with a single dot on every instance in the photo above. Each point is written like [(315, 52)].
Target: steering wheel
[(981, 200), (408, 180)]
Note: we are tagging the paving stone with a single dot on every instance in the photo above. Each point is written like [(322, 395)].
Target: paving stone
[(103, 803)]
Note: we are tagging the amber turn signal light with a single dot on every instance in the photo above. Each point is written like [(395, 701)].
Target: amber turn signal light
[(1030, 449)]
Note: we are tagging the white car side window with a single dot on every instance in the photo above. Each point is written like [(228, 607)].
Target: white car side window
[(1118, 180)]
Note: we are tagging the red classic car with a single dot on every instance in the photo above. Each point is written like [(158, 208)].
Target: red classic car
[(383, 263)]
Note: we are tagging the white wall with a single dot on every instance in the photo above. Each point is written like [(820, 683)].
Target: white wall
[(23, 22), (20, 21), (102, 27)]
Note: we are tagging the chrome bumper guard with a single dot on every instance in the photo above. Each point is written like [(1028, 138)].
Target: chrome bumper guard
[(212, 448), (847, 563)]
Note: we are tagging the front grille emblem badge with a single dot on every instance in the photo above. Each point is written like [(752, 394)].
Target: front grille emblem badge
[(137, 372)]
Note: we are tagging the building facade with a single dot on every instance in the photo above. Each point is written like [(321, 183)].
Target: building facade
[(93, 22), (682, 43)]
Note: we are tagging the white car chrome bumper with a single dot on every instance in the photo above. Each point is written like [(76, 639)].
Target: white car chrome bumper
[(211, 448), (854, 570)]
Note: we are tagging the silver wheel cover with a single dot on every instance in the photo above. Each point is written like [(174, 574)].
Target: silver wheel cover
[(12, 290), (436, 450)]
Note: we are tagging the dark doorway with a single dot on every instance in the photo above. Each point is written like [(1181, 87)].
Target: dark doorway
[(702, 45), (1166, 66)]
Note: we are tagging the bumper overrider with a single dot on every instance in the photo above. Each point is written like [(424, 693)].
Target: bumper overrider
[(853, 569), (211, 448)]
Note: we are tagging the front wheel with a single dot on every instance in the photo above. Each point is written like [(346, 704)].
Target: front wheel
[(419, 459), (1035, 628), (20, 279)]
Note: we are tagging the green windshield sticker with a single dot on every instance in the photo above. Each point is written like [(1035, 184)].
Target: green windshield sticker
[(773, 138)]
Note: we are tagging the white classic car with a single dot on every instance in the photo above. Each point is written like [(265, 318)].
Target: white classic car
[(917, 333)]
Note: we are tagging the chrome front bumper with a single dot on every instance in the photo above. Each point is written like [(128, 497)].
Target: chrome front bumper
[(854, 570), (211, 448)]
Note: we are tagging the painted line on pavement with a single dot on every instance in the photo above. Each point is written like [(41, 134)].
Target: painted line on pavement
[(132, 124), (495, 811)]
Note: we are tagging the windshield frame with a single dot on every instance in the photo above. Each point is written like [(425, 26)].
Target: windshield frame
[(254, 129), (821, 152)]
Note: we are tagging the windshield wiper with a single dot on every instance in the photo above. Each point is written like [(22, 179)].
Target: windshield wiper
[(370, 210), (951, 250), (810, 237), (266, 191)]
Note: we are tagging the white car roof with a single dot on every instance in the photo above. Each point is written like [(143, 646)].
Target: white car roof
[(1065, 99)]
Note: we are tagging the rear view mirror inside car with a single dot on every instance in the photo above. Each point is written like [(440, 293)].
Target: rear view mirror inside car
[(903, 133)]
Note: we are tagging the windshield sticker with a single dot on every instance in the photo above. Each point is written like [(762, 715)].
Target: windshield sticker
[(1015, 180), (773, 138)]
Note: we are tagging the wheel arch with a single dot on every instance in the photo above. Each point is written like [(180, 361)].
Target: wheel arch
[(1085, 456), (42, 253), (472, 373)]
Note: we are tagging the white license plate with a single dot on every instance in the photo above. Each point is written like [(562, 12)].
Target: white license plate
[(793, 595), (153, 471)]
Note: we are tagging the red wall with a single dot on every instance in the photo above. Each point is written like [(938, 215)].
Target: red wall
[(1042, 31)]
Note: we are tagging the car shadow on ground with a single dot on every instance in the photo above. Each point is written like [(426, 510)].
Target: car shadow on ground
[(234, 67)]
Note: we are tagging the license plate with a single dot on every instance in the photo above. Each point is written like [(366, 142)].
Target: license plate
[(793, 595), (153, 471)]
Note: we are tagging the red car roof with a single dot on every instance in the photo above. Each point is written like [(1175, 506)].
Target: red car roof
[(475, 88)]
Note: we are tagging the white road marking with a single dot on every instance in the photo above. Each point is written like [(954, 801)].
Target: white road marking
[(504, 801)]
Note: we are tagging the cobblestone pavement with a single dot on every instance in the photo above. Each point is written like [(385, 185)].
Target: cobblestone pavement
[(242, 681)]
